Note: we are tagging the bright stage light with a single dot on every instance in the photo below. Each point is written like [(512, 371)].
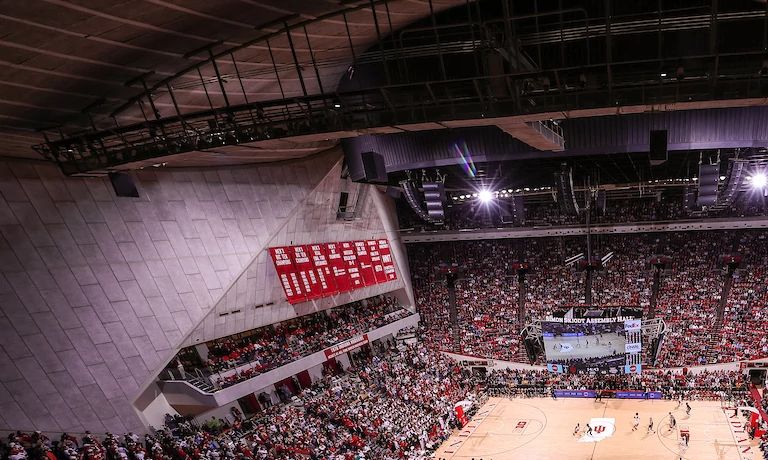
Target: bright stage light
[(759, 180), (485, 196)]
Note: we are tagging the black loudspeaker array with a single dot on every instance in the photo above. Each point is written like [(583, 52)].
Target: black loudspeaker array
[(123, 184), (513, 211), (601, 201), (411, 194), (505, 212), (565, 193), (658, 144), (373, 170), (709, 175), (737, 172), (434, 196)]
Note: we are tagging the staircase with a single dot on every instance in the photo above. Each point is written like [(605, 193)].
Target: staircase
[(202, 383), (713, 344), (405, 337)]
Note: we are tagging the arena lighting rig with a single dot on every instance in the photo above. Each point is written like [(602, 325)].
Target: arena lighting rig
[(485, 196), (759, 180)]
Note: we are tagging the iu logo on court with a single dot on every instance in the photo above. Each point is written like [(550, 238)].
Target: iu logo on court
[(602, 428)]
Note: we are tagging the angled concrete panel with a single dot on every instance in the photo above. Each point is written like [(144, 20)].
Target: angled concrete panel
[(98, 292)]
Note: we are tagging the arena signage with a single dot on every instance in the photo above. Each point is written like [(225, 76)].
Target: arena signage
[(618, 319), (345, 346), (633, 368), (478, 363), (757, 365), (313, 271), (575, 393), (637, 395), (556, 368)]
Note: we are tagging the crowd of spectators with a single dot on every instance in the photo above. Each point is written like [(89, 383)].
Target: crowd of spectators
[(394, 403), (714, 385), (488, 291), (263, 349)]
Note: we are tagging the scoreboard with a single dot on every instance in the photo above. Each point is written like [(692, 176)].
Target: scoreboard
[(313, 271)]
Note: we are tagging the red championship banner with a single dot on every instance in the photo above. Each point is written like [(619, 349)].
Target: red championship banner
[(386, 260), (378, 267), (365, 264), (338, 267), (305, 269), (322, 268), (312, 271), (345, 346), (350, 261), (292, 286)]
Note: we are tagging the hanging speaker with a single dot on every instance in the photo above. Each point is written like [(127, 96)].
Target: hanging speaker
[(123, 184), (371, 169), (658, 147), (709, 175), (434, 196)]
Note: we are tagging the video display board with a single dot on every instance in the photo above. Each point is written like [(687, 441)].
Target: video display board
[(312, 271), (593, 345)]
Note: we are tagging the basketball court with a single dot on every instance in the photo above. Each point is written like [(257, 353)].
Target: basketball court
[(542, 428)]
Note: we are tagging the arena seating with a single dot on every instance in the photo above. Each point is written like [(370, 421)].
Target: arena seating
[(717, 385), (688, 299), (393, 403), (397, 404), (272, 346)]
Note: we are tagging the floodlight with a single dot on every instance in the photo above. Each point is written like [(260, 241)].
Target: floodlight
[(759, 180), (485, 196)]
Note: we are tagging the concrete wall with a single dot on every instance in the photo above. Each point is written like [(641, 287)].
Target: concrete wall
[(313, 222), (98, 292)]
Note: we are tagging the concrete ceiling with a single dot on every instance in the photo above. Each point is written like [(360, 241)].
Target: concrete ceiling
[(61, 60)]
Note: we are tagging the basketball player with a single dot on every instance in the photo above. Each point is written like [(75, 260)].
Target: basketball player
[(576, 430), (687, 409), (589, 430), (672, 422), (636, 422), (650, 426)]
